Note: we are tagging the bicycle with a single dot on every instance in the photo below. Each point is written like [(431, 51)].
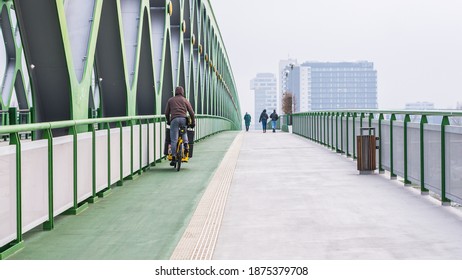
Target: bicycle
[(180, 150)]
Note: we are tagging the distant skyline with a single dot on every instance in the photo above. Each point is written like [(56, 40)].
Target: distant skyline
[(415, 45)]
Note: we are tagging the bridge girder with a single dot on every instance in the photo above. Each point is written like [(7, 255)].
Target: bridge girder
[(122, 57)]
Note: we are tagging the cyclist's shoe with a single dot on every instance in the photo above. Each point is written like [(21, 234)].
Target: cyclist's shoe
[(173, 162)]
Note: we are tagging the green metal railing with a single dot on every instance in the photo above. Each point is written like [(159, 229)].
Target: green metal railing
[(401, 134), (205, 126)]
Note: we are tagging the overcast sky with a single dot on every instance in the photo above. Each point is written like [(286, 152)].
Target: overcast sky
[(416, 45)]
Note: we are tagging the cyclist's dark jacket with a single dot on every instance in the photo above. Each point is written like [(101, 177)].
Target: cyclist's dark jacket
[(177, 106)]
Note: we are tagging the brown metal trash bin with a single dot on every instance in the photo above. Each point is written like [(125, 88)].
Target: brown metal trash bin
[(366, 147)]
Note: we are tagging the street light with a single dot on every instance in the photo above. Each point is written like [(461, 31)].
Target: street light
[(292, 86)]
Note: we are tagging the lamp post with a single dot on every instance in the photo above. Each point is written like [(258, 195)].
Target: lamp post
[(292, 86)]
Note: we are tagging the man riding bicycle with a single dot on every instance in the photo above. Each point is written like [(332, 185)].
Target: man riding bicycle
[(175, 114)]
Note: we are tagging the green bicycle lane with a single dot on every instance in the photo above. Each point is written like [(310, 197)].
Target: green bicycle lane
[(142, 220)]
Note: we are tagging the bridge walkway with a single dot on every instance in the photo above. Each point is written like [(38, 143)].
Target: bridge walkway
[(256, 196)]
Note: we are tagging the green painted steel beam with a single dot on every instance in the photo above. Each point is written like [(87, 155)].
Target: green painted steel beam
[(187, 50)]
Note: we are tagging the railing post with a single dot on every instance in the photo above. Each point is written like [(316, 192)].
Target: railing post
[(49, 225), (326, 140), (306, 127), (154, 140), (381, 170), (309, 132), (17, 244), (346, 137), (423, 121), (313, 127), (73, 131), (15, 140), (321, 126), (303, 130), (407, 119), (319, 135), (318, 128), (140, 123), (76, 208), (148, 122), (131, 150), (332, 129), (327, 130), (299, 125), (444, 200), (371, 117), (104, 192), (315, 131), (392, 174), (93, 197), (336, 132), (361, 119), (198, 130), (342, 150), (354, 135), (121, 151)]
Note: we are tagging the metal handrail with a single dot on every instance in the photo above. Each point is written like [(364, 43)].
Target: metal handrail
[(388, 111), (69, 123)]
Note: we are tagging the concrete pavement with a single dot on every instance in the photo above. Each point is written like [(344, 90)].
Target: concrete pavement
[(291, 198)]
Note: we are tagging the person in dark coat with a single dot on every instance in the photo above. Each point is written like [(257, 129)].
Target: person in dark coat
[(247, 119), (263, 119), (176, 116), (274, 118)]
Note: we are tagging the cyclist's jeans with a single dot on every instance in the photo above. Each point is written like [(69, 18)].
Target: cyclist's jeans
[(174, 130)]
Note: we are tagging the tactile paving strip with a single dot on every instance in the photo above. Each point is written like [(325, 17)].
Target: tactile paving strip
[(199, 239)]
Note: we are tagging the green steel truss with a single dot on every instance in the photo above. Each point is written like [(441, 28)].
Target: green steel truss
[(115, 58)]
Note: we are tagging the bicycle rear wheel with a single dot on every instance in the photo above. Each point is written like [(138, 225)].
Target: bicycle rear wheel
[(179, 157)]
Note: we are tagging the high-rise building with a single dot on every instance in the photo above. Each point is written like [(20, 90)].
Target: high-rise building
[(332, 85), (265, 89), (297, 81), (284, 65), (343, 85)]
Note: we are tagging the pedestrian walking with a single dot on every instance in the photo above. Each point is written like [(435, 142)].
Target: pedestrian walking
[(247, 119), (263, 119), (274, 118)]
